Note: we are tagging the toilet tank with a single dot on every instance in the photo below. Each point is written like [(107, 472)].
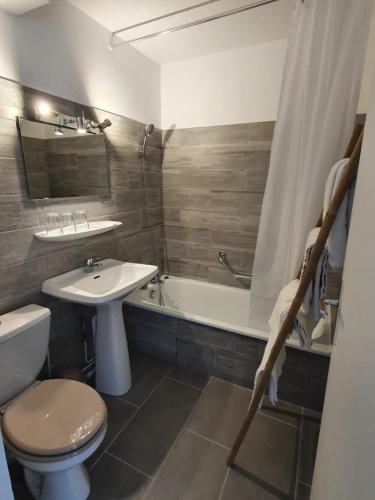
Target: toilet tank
[(24, 335)]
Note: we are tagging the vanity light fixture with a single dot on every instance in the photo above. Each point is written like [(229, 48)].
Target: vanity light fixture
[(58, 131), (81, 124)]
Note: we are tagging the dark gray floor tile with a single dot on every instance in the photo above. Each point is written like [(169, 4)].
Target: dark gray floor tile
[(243, 486), (309, 442), (220, 412), (145, 441), (147, 371), (118, 413), (303, 491), (198, 380), (111, 479), (195, 470), (269, 453), (287, 412)]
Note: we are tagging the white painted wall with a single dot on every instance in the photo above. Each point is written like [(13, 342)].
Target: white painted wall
[(60, 50), (364, 99), (345, 465), (237, 86)]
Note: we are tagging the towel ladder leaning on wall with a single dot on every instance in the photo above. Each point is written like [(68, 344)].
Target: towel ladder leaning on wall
[(354, 152)]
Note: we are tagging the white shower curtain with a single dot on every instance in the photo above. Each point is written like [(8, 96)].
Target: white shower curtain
[(317, 109)]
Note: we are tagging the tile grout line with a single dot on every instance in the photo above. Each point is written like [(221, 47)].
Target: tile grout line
[(126, 463), (298, 454), (133, 405), (185, 383), (174, 443), (224, 483), (130, 419), (207, 439), (260, 412)]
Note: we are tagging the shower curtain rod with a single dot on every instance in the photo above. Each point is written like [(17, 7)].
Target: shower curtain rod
[(204, 20)]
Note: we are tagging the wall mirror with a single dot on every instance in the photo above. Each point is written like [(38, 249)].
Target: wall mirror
[(61, 163)]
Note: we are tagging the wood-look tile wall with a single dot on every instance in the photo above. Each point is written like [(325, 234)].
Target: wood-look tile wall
[(213, 185), (26, 262)]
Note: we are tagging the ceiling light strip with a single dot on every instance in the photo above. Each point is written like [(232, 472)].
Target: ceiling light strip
[(198, 22)]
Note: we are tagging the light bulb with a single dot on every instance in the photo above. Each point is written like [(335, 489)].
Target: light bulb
[(44, 108)]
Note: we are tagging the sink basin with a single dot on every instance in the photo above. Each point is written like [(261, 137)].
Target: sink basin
[(105, 288), (112, 281)]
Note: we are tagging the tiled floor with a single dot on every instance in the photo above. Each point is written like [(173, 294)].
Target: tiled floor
[(169, 437)]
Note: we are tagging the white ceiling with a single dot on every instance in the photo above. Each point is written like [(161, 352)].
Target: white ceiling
[(263, 24), (21, 6), (266, 23)]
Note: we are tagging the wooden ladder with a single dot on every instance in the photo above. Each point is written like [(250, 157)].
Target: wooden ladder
[(353, 152)]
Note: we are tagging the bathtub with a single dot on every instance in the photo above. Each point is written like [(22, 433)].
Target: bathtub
[(203, 327), (218, 306)]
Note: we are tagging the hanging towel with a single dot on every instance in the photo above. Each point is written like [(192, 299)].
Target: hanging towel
[(280, 310), (336, 243), (317, 288)]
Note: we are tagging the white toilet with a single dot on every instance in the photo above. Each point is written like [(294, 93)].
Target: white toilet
[(50, 427)]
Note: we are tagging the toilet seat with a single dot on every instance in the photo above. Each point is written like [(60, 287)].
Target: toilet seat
[(56, 417)]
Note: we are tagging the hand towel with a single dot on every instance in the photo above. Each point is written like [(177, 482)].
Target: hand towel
[(316, 290)]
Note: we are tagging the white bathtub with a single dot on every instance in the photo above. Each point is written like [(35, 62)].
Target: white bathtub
[(210, 304)]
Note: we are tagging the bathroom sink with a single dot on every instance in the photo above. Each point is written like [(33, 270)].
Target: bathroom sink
[(112, 281), (105, 287)]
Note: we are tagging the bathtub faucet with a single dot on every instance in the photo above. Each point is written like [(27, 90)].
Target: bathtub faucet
[(158, 279)]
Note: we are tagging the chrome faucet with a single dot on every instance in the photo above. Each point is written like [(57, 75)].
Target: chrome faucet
[(91, 264), (159, 278)]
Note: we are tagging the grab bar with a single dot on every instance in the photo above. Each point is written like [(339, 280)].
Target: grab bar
[(224, 262)]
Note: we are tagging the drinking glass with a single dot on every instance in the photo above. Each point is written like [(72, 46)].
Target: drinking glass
[(80, 218), (67, 222), (53, 222)]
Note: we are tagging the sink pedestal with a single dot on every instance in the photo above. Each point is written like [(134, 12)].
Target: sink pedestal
[(111, 349)]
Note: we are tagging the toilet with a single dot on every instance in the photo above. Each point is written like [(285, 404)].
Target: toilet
[(51, 427)]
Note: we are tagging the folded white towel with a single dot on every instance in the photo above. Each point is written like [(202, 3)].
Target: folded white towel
[(280, 310), (336, 243), (317, 287)]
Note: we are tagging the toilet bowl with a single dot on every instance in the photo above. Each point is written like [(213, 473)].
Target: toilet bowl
[(51, 427)]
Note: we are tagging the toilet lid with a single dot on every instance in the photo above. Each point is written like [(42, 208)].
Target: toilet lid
[(56, 416)]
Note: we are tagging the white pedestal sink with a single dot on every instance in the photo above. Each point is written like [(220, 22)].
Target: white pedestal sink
[(105, 288)]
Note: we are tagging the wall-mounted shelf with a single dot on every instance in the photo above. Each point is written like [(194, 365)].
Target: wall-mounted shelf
[(95, 228)]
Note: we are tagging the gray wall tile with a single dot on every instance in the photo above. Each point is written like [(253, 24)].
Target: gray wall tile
[(214, 179), (25, 261)]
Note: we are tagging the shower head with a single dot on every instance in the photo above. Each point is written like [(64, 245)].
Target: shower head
[(104, 124), (148, 131)]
